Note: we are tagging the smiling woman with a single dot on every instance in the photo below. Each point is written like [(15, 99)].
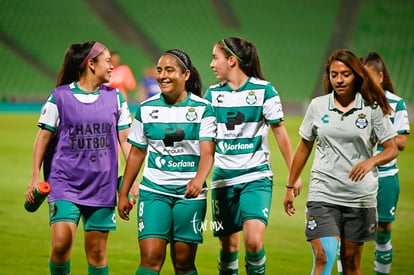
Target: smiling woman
[(81, 125), (177, 129), (246, 106), (175, 72)]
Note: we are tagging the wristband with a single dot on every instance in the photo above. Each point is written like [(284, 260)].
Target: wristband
[(290, 187)]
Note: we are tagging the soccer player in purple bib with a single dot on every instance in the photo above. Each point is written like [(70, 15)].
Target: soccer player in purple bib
[(82, 121)]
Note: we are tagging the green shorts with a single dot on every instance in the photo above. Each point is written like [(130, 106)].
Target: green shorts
[(387, 198), (93, 218), (170, 218), (236, 204), (350, 223)]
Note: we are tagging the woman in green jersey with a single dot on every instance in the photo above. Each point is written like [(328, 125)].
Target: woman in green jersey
[(174, 132), (388, 184), (246, 106)]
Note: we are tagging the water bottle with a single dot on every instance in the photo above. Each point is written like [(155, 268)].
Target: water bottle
[(130, 196), (40, 193)]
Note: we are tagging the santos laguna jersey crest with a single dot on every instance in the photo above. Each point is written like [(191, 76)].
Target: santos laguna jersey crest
[(242, 128), (171, 134)]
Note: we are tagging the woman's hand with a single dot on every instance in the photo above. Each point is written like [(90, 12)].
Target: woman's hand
[(124, 207), (288, 201), (29, 190), (194, 188), (360, 170)]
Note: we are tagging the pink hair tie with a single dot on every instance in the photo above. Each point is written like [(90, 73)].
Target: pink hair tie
[(96, 49)]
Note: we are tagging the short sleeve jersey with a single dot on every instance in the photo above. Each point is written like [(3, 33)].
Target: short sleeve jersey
[(172, 135), (84, 161), (243, 118), (399, 118), (343, 139)]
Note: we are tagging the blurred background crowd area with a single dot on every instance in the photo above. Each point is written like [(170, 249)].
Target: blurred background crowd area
[(293, 39)]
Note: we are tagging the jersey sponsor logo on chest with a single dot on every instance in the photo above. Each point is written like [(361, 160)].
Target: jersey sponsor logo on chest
[(225, 146), (161, 162)]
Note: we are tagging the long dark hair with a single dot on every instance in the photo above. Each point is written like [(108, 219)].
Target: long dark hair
[(193, 84), (369, 89), (71, 70), (246, 54), (374, 60)]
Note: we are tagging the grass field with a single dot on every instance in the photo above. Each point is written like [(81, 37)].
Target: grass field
[(24, 236)]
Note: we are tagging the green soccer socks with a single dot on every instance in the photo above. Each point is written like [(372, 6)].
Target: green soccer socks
[(228, 263), (256, 262), (59, 269), (383, 253)]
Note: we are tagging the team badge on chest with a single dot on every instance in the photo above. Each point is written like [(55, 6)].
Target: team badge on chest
[(191, 114), (251, 98), (361, 122)]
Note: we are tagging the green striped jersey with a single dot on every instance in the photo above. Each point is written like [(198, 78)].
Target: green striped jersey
[(243, 116), (399, 118), (171, 134)]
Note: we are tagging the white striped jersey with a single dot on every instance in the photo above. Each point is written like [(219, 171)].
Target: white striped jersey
[(399, 118), (243, 118), (171, 134)]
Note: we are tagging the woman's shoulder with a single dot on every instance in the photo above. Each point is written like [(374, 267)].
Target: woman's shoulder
[(198, 99), (153, 100), (320, 99), (218, 86), (65, 87), (106, 88), (393, 97), (258, 81)]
